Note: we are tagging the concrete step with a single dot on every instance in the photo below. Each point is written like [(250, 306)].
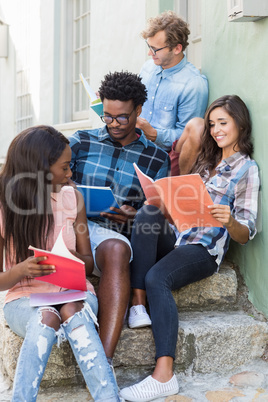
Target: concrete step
[(219, 291), (216, 292), (208, 340)]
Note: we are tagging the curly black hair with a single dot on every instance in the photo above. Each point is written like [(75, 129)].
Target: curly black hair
[(123, 86)]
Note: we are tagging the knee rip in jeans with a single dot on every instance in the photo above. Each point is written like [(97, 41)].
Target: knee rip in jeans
[(59, 334), (51, 310), (83, 313)]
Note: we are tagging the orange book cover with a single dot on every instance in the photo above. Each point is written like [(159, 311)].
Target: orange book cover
[(70, 270), (183, 199)]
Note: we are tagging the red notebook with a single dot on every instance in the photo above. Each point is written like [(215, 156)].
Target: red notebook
[(70, 270)]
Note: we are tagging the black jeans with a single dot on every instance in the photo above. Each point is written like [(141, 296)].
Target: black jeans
[(159, 268)]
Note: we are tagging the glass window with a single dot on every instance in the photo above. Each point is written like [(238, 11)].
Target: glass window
[(24, 112), (81, 55)]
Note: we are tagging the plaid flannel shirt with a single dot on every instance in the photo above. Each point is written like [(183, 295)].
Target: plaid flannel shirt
[(236, 183)]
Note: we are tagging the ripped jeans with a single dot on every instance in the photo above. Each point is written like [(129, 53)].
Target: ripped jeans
[(84, 340)]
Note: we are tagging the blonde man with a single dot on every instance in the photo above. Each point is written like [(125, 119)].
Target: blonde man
[(177, 92)]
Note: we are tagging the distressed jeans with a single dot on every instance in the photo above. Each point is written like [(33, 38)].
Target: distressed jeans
[(84, 340)]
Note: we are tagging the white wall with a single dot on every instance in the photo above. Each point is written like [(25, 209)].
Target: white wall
[(39, 25), (116, 44), (7, 86), (46, 61)]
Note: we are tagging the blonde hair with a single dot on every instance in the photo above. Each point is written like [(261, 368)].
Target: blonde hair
[(176, 29)]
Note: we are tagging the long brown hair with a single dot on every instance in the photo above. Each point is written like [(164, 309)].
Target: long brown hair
[(25, 188), (210, 154)]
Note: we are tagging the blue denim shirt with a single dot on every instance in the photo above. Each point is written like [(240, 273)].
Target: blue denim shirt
[(175, 95)]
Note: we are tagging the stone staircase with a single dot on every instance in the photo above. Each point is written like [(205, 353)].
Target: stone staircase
[(219, 330)]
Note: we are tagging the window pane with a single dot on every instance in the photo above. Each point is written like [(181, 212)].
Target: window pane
[(81, 27), (85, 30), (85, 6), (85, 61), (77, 66), (76, 97), (85, 98), (76, 8), (77, 33)]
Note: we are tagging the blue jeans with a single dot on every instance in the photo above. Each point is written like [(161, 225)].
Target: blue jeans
[(159, 268), (39, 338)]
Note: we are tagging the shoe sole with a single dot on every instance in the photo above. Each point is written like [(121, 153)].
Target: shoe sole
[(133, 399), (140, 325)]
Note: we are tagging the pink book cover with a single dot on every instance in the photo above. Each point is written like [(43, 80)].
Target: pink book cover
[(52, 298)]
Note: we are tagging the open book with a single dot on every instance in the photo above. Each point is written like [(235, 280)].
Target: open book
[(97, 199), (70, 270), (95, 102), (182, 199)]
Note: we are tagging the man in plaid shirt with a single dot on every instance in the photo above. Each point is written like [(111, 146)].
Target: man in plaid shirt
[(105, 157)]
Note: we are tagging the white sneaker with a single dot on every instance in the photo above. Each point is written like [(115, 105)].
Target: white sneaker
[(150, 389), (138, 317)]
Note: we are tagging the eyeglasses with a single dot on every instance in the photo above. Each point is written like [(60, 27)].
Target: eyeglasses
[(123, 120), (154, 50)]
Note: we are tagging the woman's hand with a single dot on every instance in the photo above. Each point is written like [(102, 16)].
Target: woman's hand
[(237, 231), (222, 213), (31, 268), (123, 214)]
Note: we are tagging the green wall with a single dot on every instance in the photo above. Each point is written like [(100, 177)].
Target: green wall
[(235, 60), (155, 7)]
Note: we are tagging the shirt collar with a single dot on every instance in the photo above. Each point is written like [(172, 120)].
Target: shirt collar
[(230, 162), (226, 164), (169, 71), (103, 135)]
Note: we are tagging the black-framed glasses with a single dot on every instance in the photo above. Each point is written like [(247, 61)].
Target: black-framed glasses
[(154, 50), (124, 120)]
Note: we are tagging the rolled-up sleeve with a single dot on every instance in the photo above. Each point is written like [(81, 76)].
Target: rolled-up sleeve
[(246, 199)]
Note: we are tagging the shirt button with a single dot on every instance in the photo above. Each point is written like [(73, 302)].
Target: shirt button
[(117, 168), (151, 112), (152, 97), (165, 107)]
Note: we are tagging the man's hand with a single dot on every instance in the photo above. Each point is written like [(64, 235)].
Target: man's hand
[(124, 214), (146, 127)]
